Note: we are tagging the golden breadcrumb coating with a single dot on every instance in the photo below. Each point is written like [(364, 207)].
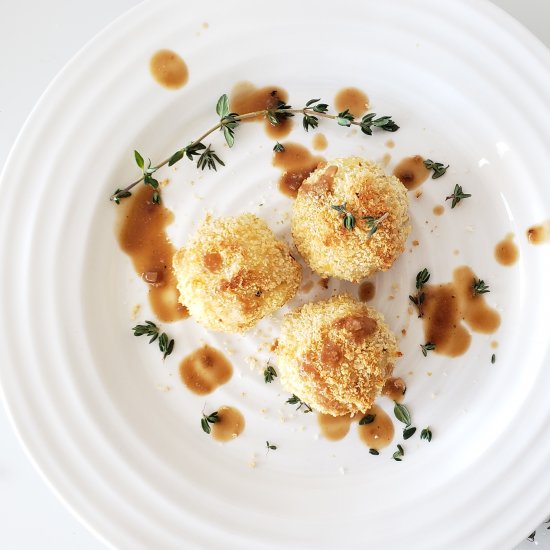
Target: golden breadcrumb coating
[(336, 355), (233, 272), (318, 230)]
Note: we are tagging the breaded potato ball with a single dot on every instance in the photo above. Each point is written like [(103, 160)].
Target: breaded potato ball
[(336, 355), (332, 219), (233, 272)]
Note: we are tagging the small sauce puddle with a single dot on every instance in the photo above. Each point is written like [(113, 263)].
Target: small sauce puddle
[(142, 235), (353, 99), (506, 251), (229, 426), (169, 69), (539, 234), (379, 433), (367, 290), (411, 172), (204, 370)]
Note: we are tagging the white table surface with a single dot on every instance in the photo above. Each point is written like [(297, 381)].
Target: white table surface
[(38, 37)]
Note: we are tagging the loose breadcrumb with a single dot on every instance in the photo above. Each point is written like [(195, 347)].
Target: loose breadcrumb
[(319, 234), (336, 355), (233, 272), (135, 312)]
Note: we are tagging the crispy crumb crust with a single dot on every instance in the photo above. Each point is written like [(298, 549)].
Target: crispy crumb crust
[(320, 236), (233, 272), (329, 366)]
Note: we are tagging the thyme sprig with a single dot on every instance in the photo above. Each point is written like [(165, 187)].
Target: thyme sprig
[(227, 124), (350, 221), (166, 344), (422, 277), (457, 195), (295, 400), (428, 346), (269, 374), (479, 287), (438, 167), (208, 419)]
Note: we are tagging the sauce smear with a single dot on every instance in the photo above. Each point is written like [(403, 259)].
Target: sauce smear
[(247, 98), (142, 235), (334, 428), (353, 99), (447, 305), (395, 389), (411, 172), (379, 433), (229, 426), (320, 142), (506, 251), (538, 234), (204, 370), (297, 163), (169, 69), (367, 290)]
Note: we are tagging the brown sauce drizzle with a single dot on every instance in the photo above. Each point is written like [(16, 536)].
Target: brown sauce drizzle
[(142, 235), (353, 99), (204, 370), (506, 251), (538, 234), (169, 69), (335, 428), (379, 433), (360, 326), (229, 426), (320, 142), (411, 172), (212, 261), (367, 290), (438, 209), (395, 389), (297, 163), (447, 305), (247, 98)]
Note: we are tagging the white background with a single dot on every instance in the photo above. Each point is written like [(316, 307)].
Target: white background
[(38, 37)]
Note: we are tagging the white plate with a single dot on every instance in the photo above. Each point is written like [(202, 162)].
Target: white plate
[(468, 86)]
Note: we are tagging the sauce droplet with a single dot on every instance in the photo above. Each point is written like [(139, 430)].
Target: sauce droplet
[(506, 251), (142, 235), (438, 210), (204, 370), (411, 172), (386, 159), (320, 142), (169, 69), (367, 290), (390, 144), (334, 428), (297, 163), (538, 234), (395, 389), (447, 305), (247, 98), (229, 426), (379, 433), (353, 99)]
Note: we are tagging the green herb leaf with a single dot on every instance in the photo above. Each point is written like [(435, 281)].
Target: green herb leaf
[(367, 419), (222, 107), (193, 149), (120, 194), (206, 420), (166, 345), (139, 159), (422, 278), (176, 157), (155, 199), (479, 287), (428, 346), (457, 195), (398, 455), (426, 434), (408, 432), (385, 123), (374, 452), (278, 147), (269, 374), (312, 101), (493, 358), (270, 446), (438, 168), (402, 414), (349, 221), (345, 118), (321, 108), (208, 159), (310, 121)]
